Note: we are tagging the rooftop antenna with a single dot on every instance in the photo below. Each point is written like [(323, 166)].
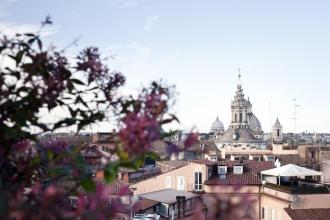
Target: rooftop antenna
[(270, 117), (295, 105)]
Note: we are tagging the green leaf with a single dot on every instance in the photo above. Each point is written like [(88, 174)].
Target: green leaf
[(30, 34), (19, 56), (31, 40), (77, 81), (72, 112), (80, 100), (152, 155), (50, 155), (110, 173), (39, 43), (2, 48), (88, 184), (168, 134)]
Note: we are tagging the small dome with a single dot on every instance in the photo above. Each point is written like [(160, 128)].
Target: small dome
[(217, 126), (254, 122)]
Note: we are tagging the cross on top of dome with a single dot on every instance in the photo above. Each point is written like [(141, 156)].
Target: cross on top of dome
[(239, 76)]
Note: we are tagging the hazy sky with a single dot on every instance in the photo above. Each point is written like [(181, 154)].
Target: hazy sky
[(282, 47)]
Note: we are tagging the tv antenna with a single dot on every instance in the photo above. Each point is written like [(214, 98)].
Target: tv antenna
[(295, 106)]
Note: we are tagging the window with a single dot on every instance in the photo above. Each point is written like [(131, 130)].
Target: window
[(263, 213), (209, 172), (273, 214), (168, 181), (235, 117), (278, 132), (256, 158), (73, 202), (198, 181), (93, 149), (222, 169), (180, 183), (238, 169), (163, 209), (240, 117), (270, 158), (248, 211)]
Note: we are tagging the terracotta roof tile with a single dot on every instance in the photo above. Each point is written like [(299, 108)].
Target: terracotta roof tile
[(254, 166), (258, 166), (246, 178), (291, 158), (308, 214), (117, 187), (172, 163), (250, 176), (205, 162)]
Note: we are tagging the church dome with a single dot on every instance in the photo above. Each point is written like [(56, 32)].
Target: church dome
[(241, 135), (217, 126), (254, 122)]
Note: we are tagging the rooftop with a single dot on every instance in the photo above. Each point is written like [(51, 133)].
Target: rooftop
[(301, 188), (144, 204), (71, 186), (250, 175), (247, 178), (205, 162), (308, 214), (174, 164), (253, 166), (244, 136), (168, 196), (291, 158)]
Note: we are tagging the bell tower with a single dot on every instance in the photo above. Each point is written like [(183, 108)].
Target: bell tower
[(240, 107), (277, 131)]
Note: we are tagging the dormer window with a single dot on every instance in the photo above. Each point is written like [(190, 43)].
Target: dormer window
[(238, 169), (270, 158), (222, 169)]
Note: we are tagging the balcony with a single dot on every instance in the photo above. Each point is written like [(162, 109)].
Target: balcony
[(300, 188)]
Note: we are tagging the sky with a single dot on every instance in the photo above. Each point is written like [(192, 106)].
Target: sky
[(281, 46)]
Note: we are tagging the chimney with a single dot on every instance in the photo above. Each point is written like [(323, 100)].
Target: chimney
[(277, 163)]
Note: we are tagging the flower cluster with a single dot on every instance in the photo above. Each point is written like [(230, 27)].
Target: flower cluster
[(89, 61), (56, 146), (41, 80), (138, 133), (22, 145)]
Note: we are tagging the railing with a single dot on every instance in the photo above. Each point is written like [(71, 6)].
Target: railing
[(300, 189)]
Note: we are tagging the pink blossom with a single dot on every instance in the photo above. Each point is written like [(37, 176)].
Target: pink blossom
[(22, 145), (191, 139), (138, 133), (56, 146)]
